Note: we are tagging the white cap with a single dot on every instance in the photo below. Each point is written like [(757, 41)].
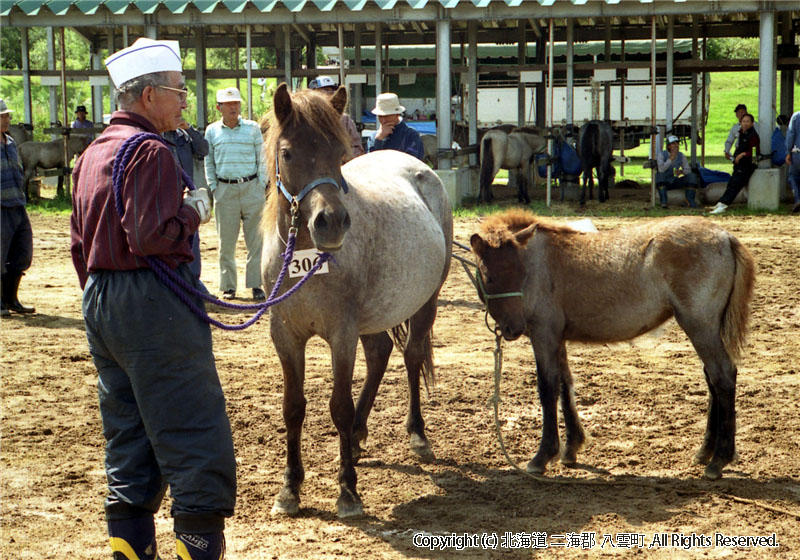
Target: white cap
[(388, 104), (321, 82), (671, 138), (145, 56), (228, 94)]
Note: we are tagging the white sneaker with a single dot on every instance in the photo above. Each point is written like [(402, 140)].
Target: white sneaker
[(719, 208)]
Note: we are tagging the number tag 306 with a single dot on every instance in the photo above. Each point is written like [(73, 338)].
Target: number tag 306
[(303, 261)]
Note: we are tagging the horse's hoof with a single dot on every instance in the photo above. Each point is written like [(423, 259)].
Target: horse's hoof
[(422, 449), (713, 472), (286, 503), (349, 505), (534, 468), (702, 457)]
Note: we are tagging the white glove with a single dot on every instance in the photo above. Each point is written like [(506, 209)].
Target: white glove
[(200, 203)]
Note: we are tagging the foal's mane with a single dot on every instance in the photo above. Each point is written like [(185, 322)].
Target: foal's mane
[(500, 228), (309, 108)]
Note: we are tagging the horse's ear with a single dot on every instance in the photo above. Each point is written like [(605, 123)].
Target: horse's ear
[(524, 235), (282, 103), (478, 244), (339, 99)]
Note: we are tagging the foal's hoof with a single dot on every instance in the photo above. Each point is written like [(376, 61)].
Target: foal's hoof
[(713, 472), (422, 449), (535, 468), (703, 457), (286, 503), (349, 505)]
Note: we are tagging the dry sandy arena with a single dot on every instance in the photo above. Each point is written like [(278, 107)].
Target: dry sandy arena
[(644, 404)]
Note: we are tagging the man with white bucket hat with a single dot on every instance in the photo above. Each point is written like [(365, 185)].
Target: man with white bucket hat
[(326, 85), (161, 401), (393, 133), (237, 176)]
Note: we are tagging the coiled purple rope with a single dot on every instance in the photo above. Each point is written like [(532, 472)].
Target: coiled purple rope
[(181, 287)]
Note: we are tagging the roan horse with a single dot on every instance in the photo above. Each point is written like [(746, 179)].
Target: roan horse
[(640, 276), (513, 151), (391, 232), (595, 147), (50, 155)]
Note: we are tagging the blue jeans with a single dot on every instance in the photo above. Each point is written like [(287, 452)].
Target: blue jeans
[(794, 176), (163, 411)]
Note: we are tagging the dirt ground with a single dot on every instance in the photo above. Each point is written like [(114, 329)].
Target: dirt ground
[(634, 491)]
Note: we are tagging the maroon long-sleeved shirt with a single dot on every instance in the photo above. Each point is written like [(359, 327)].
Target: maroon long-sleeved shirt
[(154, 224)]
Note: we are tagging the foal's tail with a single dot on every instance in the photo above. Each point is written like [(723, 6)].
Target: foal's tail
[(400, 338), (737, 314)]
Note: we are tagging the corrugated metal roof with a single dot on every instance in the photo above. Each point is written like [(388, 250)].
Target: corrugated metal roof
[(88, 7)]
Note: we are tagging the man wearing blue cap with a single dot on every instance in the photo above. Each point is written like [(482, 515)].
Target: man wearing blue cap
[(161, 402)]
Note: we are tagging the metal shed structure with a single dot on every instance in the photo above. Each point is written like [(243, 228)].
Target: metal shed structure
[(290, 26)]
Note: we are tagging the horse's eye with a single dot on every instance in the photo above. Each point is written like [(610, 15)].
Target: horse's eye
[(286, 155)]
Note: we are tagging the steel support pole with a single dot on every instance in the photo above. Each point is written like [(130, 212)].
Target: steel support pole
[(570, 116), (378, 59), (522, 49), (287, 56), (340, 33), (26, 77), (550, 111), (472, 105), (694, 88), (652, 109), (766, 82), (249, 58), (669, 101), (443, 124), (51, 65), (200, 77), (65, 183)]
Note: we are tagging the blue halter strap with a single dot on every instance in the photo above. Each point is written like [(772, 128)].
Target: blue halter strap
[(308, 188)]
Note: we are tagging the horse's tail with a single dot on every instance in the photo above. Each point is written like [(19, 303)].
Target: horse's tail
[(737, 314), (487, 164), (400, 338)]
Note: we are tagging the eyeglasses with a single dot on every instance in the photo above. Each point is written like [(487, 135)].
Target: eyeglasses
[(182, 93)]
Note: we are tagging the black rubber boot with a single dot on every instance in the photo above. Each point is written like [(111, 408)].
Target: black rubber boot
[(662, 194), (10, 287), (690, 197), (133, 539), (206, 546)]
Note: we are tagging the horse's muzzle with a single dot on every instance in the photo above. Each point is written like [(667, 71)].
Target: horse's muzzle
[(328, 227)]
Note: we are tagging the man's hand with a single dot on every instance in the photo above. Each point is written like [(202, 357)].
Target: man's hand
[(789, 158), (385, 131), (199, 201), (727, 156)]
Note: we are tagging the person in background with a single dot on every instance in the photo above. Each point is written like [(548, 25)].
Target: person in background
[(733, 135), (161, 402), (16, 235), (237, 177), (673, 172), (393, 133), (792, 144), (744, 163), (81, 121), (326, 85), (188, 145)]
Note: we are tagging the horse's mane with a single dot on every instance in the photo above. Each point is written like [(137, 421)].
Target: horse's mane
[(309, 108), (500, 228)]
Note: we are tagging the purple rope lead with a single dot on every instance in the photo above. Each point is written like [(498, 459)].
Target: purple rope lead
[(181, 287)]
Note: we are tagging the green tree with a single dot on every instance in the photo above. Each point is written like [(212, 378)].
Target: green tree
[(731, 48)]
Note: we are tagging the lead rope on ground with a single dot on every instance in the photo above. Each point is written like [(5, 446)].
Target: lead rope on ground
[(181, 287)]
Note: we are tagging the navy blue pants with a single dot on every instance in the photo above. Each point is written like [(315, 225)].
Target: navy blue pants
[(161, 402), (16, 240)]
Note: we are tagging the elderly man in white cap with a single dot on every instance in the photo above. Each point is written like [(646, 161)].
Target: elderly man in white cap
[(673, 172), (326, 85), (393, 133), (237, 176), (16, 238), (161, 401)]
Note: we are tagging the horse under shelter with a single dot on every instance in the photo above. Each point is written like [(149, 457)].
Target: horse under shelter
[(295, 28)]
